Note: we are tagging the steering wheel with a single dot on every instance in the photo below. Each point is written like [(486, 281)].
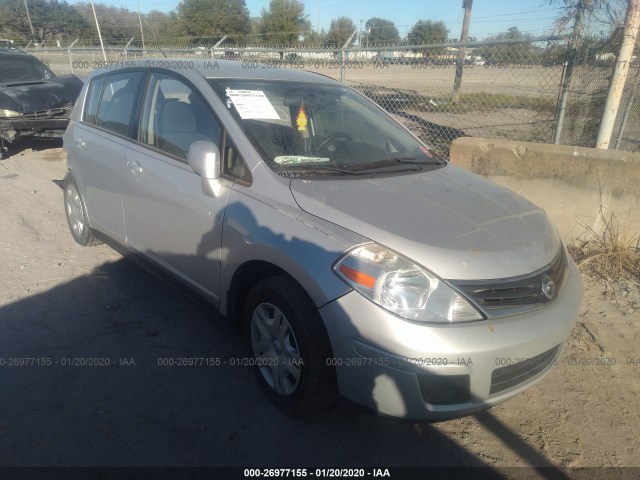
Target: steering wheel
[(333, 138)]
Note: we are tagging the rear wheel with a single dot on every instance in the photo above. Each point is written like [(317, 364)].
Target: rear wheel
[(289, 346), (76, 215)]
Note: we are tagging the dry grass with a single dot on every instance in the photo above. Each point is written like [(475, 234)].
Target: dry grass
[(611, 252)]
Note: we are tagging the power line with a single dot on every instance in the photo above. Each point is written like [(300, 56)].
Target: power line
[(520, 13)]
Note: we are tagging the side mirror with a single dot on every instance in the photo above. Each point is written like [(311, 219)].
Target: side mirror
[(204, 159)]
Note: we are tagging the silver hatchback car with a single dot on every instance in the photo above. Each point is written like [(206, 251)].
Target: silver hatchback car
[(354, 260)]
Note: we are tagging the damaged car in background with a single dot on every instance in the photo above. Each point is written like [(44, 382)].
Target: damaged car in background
[(34, 102)]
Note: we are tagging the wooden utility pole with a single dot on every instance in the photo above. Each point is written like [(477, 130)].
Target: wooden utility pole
[(619, 77), (95, 17), (141, 31), (26, 9), (462, 51)]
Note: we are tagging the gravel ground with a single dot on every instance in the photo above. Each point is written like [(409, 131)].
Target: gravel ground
[(59, 300)]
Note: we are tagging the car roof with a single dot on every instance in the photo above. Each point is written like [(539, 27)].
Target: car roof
[(236, 69)]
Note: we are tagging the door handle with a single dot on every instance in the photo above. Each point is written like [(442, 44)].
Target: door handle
[(134, 167), (80, 142)]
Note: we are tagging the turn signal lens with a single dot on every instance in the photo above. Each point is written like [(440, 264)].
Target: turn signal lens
[(402, 287)]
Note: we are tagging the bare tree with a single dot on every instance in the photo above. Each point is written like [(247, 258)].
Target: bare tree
[(601, 16)]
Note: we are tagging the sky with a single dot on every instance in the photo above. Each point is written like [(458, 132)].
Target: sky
[(488, 16)]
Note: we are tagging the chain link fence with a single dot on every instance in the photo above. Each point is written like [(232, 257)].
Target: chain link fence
[(627, 128), (586, 96), (508, 89)]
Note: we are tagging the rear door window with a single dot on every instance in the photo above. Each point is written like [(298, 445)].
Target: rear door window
[(112, 102)]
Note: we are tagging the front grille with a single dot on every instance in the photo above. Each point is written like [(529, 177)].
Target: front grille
[(504, 378), (526, 291), (47, 114)]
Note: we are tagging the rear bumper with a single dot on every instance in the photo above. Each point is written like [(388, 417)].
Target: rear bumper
[(428, 372)]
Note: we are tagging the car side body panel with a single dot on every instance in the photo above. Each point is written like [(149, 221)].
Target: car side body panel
[(170, 220), (97, 160)]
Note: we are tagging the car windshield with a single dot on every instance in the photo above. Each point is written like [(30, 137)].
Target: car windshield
[(23, 69), (313, 128)]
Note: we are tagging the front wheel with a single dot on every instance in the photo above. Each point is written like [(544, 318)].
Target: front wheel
[(290, 347), (77, 215)]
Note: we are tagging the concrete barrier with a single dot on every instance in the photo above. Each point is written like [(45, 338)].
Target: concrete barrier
[(578, 187)]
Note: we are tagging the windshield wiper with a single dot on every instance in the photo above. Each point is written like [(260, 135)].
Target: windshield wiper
[(306, 170), (397, 164), (19, 83), (400, 164), (418, 160)]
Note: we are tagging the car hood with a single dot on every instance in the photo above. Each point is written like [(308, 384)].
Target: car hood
[(33, 96), (455, 223)]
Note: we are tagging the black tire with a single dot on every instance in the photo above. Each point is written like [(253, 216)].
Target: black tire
[(302, 332), (76, 215)]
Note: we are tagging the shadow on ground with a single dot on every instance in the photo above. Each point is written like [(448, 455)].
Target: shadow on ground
[(96, 372), (136, 412)]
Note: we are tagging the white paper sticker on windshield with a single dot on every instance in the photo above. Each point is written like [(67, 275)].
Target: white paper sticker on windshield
[(295, 159), (252, 105)]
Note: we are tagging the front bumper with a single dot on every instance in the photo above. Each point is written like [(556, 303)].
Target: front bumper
[(47, 127), (432, 372)]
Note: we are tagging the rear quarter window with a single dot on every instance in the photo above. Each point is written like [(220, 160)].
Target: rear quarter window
[(93, 98)]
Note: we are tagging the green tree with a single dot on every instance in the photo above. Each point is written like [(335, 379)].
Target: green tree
[(117, 24), (52, 20), (313, 38), (380, 30), (163, 29), (510, 52), (512, 34), (284, 22), (155, 24), (12, 26), (204, 20), (427, 31), (339, 32)]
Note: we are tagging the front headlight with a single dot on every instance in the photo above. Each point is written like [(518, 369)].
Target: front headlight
[(4, 113), (395, 283)]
